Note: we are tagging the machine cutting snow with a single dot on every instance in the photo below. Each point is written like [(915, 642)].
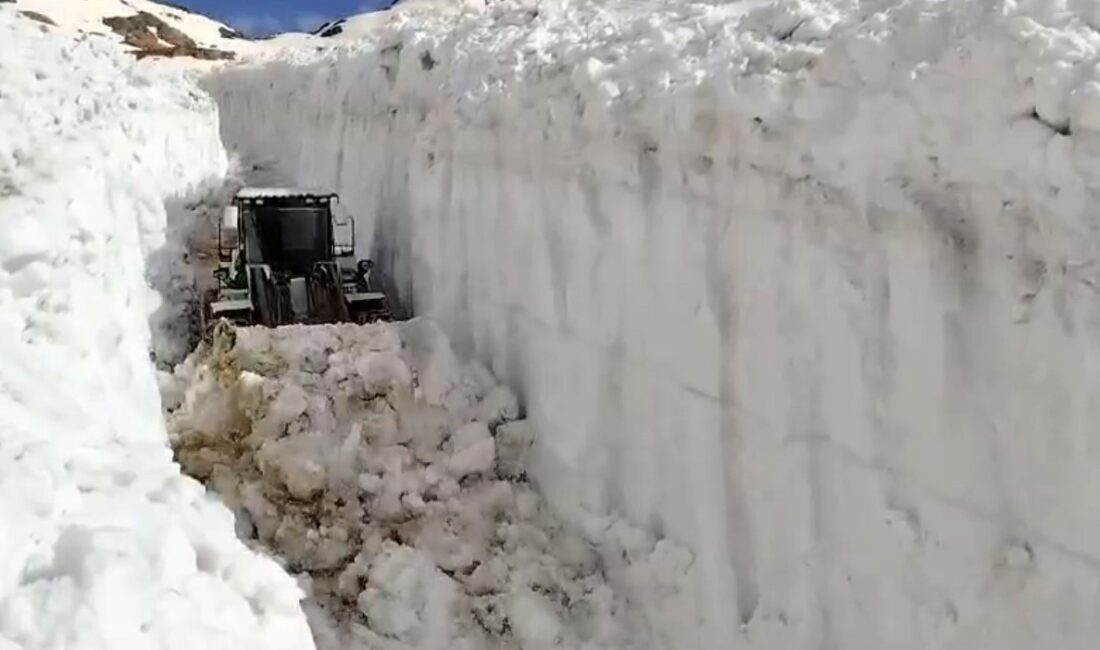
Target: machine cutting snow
[(280, 262)]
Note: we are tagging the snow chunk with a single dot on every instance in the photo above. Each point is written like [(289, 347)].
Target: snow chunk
[(1085, 106), (475, 459), (409, 598)]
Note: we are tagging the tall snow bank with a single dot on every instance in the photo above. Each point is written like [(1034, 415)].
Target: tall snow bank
[(810, 287), (104, 543)]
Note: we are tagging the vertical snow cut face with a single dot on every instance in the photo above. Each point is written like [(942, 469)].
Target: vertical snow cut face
[(809, 287), (104, 544), (392, 478)]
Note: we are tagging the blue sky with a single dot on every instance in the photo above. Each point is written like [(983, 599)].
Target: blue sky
[(267, 16)]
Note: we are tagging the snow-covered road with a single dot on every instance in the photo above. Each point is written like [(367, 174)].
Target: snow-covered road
[(384, 474)]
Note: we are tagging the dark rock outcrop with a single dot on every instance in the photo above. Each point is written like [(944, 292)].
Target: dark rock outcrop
[(201, 53), (151, 36), (134, 29), (331, 28), (42, 18), (231, 34)]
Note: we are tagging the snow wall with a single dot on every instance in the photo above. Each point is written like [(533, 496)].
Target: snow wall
[(810, 288), (103, 544)]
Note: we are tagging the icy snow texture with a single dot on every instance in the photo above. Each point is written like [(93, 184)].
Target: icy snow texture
[(104, 545), (813, 290), (371, 461)]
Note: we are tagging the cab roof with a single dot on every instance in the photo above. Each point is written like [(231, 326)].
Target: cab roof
[(282, 193)]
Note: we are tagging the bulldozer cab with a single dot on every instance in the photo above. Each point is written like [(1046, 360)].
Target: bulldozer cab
[(289, 234), (290, 239), (280, 253)]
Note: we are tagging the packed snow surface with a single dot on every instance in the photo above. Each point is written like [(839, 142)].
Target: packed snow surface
[(392, 478), (104, 544), (808, 287)]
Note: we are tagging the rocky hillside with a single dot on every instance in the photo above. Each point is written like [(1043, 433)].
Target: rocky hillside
[(166, 30), (148, 29)]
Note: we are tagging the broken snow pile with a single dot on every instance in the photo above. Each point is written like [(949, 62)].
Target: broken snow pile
[(104, 544), (392, 477), (809, 286)]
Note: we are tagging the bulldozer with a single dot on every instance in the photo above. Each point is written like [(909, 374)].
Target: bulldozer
[(280, 262)]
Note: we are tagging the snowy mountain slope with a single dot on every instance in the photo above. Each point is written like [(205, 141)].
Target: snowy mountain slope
[(105, 545), (148, 28), (810, 289), (201, 36)]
